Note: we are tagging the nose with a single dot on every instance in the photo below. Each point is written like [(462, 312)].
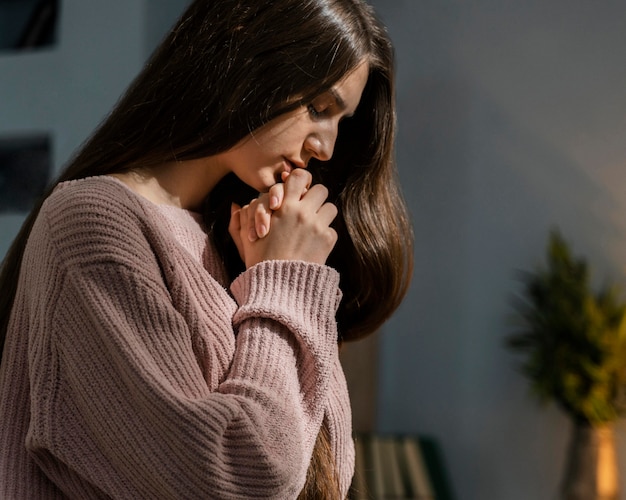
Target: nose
[(321, 143)]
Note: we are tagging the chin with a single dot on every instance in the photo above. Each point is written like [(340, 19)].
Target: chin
[(259, 187), (262, 182), (266, 182)]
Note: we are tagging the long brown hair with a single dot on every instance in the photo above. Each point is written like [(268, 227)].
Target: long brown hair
[(230, 66)]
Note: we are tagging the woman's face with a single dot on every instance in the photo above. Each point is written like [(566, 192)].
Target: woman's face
[(290, 140)]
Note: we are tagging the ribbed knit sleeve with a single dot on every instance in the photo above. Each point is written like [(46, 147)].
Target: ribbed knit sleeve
[(123, 400), (298, 300)]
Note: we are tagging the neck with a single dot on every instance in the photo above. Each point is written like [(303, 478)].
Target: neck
[(183, 184)]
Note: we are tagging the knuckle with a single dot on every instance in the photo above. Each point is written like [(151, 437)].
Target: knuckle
[(320, 191), (300, 173), (301, 217), (333, 237), (330, 237), (323, 189), (287, 207)]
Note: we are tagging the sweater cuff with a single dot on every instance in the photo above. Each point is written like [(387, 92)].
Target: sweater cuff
[(296, 293)]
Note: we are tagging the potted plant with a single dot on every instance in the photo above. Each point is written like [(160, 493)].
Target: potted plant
[(574, 341)]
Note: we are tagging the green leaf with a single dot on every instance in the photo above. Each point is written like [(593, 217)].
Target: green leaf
[(573, 339)]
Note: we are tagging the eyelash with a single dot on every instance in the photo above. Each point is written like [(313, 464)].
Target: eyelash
[(314, 112), (316, 115)]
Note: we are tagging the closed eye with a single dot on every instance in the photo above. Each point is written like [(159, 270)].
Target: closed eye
[(328, 104), (314, 111)]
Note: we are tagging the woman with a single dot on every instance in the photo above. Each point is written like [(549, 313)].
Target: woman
[(151, 351)]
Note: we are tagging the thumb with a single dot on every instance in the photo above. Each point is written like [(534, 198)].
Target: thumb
[(234, 228)]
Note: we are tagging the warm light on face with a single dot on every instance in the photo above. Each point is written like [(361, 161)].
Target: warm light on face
[(292, 139)]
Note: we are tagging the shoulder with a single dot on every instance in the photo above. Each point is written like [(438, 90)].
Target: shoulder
[(102, 195), (97, 216)]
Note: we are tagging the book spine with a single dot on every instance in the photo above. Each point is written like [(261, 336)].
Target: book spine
[(394, 486), (417, 473)]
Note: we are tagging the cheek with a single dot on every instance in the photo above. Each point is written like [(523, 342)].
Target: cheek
[(284, 138)]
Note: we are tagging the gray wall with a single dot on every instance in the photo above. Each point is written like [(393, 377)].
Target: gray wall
[(67, 90), (512, 119)]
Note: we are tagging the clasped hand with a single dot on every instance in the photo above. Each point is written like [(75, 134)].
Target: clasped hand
[(290, 222)]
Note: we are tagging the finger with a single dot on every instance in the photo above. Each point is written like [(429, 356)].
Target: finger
[(284, 176), (276, 194), (250, 224), (243, 224), (316, 196), (234, 227), (327, 213), (297, 184), (259, 218), (262, 216), (234, 224)]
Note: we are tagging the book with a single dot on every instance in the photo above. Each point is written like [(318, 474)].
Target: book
[(396, 467), (416, 470)]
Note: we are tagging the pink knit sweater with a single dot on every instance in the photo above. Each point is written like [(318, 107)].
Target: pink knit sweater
[(131, 372)]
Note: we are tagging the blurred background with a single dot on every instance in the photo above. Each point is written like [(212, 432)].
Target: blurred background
[(512, 120)]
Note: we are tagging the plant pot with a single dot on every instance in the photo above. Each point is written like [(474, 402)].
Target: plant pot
[(591, 472)]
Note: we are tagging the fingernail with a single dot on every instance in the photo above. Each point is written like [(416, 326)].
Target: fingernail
[(252, 236), (274, 202), (262, 230)]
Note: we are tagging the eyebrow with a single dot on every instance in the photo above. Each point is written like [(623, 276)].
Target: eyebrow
[(341, 104)]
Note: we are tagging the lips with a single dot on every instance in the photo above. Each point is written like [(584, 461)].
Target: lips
[(292, 165), (289, 166)]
